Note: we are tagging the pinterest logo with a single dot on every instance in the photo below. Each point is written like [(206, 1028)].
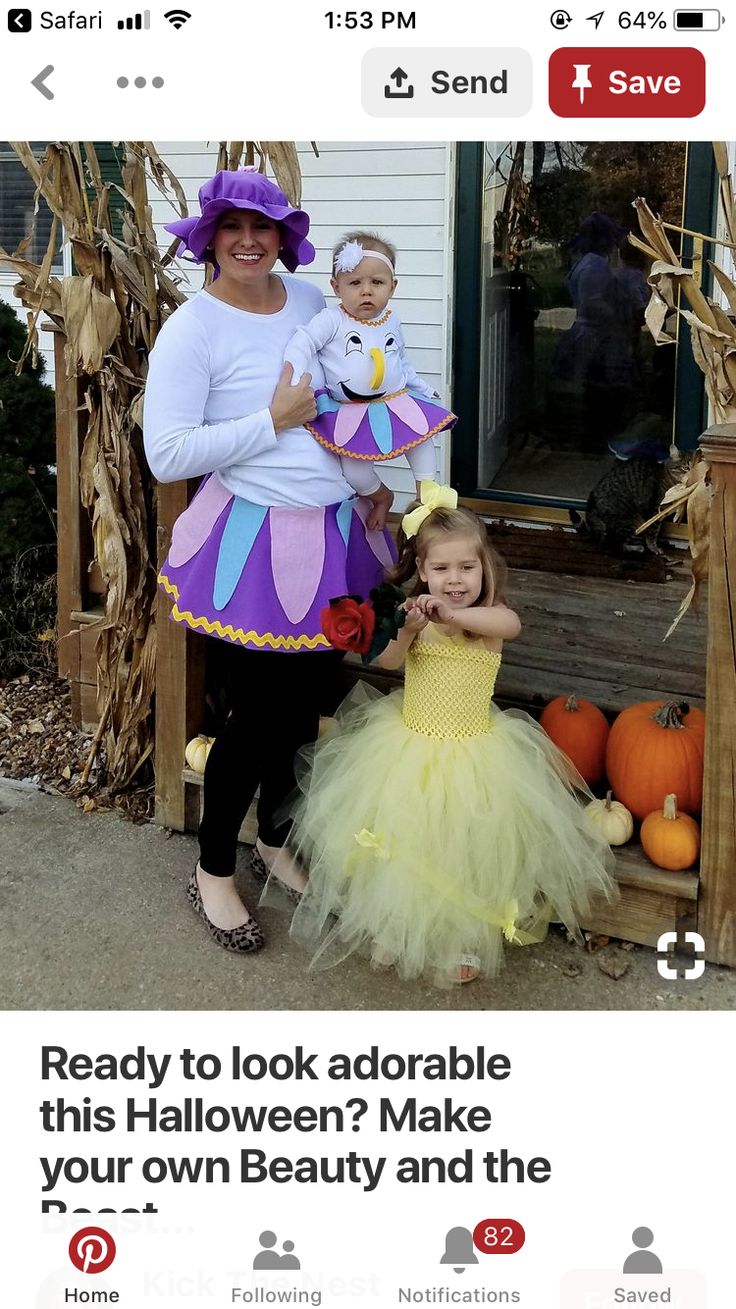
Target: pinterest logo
[(91, 1250)]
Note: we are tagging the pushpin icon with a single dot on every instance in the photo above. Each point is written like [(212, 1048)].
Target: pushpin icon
[(582, 81)]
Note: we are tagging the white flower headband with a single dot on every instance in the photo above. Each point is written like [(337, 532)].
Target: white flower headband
[(351, 255)]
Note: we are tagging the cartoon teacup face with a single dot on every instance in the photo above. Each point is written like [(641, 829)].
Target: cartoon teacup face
[(371, 367)]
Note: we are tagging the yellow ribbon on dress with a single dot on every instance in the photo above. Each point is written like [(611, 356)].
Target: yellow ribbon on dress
[(432, 496), (371, 841), (368, 842), (372, 845)]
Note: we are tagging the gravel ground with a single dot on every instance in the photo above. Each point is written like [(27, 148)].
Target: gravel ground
[(39, 743)]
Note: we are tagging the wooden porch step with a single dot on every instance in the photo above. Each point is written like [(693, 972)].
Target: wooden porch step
[(651, 901), (603, 639)]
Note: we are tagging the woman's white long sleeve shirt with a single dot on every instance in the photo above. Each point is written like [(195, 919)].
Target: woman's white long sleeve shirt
[(212, 375)]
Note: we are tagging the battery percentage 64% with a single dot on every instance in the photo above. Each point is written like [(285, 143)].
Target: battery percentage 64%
[(646, 21)]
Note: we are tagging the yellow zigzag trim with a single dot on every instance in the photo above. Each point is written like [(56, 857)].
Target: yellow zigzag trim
[(367, 322), (237, 634), (379, 458)]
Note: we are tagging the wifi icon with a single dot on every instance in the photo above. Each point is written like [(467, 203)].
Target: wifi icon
[(177, 17)]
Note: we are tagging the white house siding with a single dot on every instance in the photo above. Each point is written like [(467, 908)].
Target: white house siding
[(402, 190)]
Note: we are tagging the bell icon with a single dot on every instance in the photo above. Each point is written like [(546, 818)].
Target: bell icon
[(459, 1249)]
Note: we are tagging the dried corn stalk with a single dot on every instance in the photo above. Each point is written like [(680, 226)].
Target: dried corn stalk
[(713, 335), (111, 312), (689, 497)]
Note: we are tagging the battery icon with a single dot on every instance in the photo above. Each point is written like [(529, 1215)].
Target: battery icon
[(697, 20)]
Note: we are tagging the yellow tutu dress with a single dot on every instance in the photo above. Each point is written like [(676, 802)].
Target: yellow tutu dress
[(434, 825)]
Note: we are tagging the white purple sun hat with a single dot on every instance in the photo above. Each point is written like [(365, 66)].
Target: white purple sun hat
[(246, 189)]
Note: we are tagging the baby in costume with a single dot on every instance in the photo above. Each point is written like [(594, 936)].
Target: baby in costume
[(433, 824), (374, 405)]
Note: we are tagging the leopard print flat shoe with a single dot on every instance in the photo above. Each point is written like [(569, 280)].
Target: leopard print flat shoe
[(257, 867), (240, 940), (261, 874)]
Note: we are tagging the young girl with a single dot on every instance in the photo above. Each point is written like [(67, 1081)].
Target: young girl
[(374, 405), (434, 825)]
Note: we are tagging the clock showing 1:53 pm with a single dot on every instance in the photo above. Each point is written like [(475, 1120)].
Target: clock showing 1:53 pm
[(386, 20)]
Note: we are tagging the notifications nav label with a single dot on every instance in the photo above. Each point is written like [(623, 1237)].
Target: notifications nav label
[(618, 82)]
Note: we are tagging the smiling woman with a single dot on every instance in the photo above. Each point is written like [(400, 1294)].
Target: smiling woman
[(244, 241), (272, 534)]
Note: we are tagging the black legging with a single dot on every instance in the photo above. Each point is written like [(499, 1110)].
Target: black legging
[(275, 700)]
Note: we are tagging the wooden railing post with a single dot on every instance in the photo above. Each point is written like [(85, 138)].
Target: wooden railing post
[(180, 659), (717, 900)]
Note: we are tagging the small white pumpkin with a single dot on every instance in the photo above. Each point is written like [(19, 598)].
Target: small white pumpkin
[(197, 751), (612, 819)]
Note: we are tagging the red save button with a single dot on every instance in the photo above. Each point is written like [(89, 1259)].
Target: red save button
[(616, 82)]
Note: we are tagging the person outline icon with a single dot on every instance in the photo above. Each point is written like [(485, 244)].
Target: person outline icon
[(643, 1260)]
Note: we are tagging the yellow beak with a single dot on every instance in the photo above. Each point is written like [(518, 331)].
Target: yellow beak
[(379, 368)]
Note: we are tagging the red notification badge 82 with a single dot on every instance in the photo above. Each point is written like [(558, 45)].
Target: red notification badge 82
[(498, 1236)]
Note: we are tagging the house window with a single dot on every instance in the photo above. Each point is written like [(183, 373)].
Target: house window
[(556, 374), (17, 204)]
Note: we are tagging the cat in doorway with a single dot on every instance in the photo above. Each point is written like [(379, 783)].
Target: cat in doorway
[(626, 496)]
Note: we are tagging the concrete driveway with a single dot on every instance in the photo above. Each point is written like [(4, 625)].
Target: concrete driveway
[(93, 916)]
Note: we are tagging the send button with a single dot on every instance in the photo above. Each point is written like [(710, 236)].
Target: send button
[(456, 83), (476, 83)]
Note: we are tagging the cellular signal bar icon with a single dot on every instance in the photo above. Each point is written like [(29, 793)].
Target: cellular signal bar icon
[(136, 23), (177, 17)]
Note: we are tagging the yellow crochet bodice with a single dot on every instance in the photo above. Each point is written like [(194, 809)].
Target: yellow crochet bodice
[(448, 685)]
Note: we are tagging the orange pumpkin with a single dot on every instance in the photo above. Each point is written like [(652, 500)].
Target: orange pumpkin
[(671, 839), (579, 729), (654, 749)]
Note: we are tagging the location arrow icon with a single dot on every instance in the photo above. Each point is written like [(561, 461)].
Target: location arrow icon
[(39, 81)]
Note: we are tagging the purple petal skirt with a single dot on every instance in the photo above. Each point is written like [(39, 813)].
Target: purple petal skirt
[(377, 429), (260, 576)]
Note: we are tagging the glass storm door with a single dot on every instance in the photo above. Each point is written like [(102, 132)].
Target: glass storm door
[(562, 377)]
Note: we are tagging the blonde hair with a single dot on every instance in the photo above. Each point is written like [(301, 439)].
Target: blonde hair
[(443, 523), (369, 241)]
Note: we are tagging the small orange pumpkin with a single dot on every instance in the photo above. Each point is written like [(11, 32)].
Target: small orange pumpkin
[(671, 839), (580, 730), (655, 749)]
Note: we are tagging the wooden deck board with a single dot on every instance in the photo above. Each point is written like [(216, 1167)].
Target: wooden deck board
[(602, 638)]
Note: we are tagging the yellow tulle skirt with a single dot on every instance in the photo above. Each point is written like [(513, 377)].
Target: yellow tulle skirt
[(423, 851)]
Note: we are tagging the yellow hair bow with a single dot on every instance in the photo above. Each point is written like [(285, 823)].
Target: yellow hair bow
[(432, 496)]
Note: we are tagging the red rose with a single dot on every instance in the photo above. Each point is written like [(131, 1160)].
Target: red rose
[(349, 624)]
